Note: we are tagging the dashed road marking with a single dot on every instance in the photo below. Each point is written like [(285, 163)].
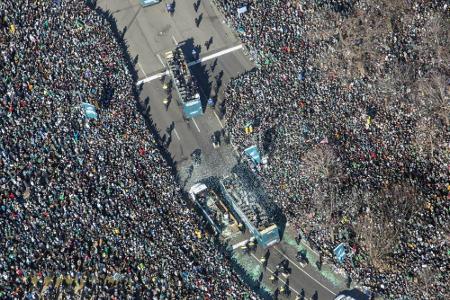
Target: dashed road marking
[(305, 272), (174, 40), (153, 77), (176, 134), (301, 264), (221, 125), (142, 69), (160, 59), (195, 123), (290, 288)]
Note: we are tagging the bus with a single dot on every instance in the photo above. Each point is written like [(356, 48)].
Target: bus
[(245, 203), (212, 208), (185, 84)]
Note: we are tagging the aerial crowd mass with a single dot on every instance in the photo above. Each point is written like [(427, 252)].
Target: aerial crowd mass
[(88, 207), (350, 103)]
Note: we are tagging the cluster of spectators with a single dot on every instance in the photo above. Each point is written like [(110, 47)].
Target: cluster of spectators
[(88, 205), (350, 104)]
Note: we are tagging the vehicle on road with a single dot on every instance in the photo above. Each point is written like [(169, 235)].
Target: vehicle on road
[(212, 207), (215, 138), (344, 297), (250, 205), (354, 294), (185, 84), (145, 3)]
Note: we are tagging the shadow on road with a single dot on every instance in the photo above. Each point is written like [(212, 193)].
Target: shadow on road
[(130, 64)]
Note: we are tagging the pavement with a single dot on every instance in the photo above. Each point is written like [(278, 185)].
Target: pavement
[(151, 32), (305, 279)]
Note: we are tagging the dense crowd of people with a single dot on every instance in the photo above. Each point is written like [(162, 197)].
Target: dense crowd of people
[(350, 104), (88, 205)]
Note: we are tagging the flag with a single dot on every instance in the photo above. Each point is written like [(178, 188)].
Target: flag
[(253, 153), (340, 252), (89, 110)]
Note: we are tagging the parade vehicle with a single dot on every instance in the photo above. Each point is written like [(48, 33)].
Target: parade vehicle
[(247, 204), (211, 206), (185, 84)]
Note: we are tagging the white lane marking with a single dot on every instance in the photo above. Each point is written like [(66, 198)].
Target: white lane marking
[(235, 246), (305, 272), (142, 69), (174, 40), (176, 133), (195, 123), (218, 118), (153, 77), (160, 59), (220, 53), (159, 75), (290, 288), (303, 243)]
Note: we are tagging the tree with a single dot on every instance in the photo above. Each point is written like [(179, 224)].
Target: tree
[(427, 277), (377, 236), (321, 163), (427, 135), (379, 227), (433, 97), (323, 170), (433, 42)]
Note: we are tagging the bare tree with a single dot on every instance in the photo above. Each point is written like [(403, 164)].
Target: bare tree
[(427, 136), (433, 97), (434, 40), (321, 163), (378, 237), (400, 199), (379, 227), (427, 277), (323, 170)]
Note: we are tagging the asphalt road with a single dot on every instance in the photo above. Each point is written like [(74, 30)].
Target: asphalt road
[(304, 280), (151, 32)]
